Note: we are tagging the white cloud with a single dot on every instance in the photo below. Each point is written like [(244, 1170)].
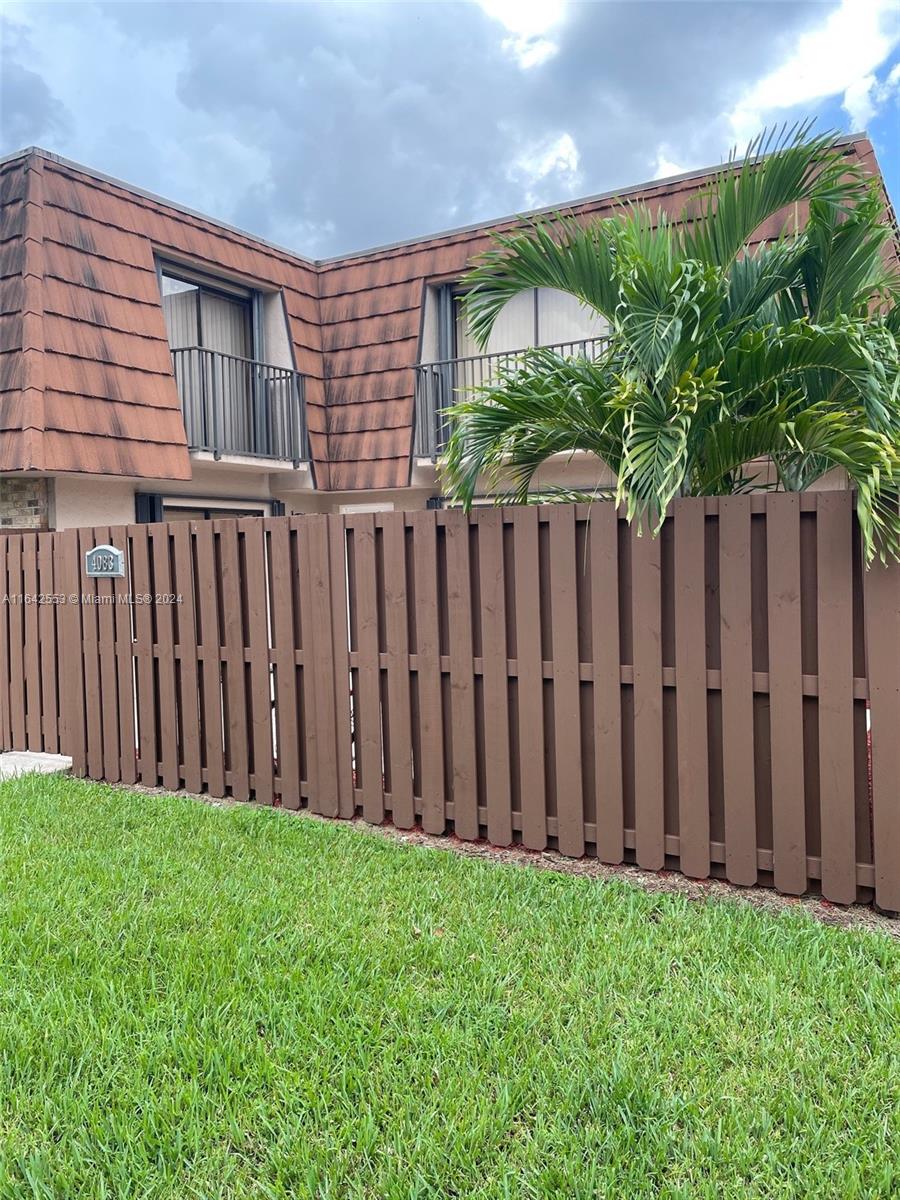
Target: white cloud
[(864, 99), (665, 168), (840, 56), (525, 18), (527, 21), (554, 160)]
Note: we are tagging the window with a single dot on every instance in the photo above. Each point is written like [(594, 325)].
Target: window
[(212, 510), (214, 314), (538, 317)]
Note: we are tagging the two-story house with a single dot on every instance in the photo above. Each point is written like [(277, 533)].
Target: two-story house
[(157, 363)]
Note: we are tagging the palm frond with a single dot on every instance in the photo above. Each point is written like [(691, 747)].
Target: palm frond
[(568, 256), (780, 168), (545, 405)]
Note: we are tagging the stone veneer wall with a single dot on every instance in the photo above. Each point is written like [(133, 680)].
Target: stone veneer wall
[(25, 503)]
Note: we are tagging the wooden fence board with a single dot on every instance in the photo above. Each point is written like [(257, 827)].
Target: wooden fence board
[(71, 659), (255, 583), (213, 750), (646, 603), (48, 630), (235, 686), (16, 588), (300, 529), (691, 684), (168, 700), (737, 690), (91, 651), (337, 554), (109, 683), (283, 631), (398, 693), (428, 672), (31, 651), (144, 667), (882, 592), (836, 771), (326, 800), (6, 740), (125, 664), (530, 679), (786, 696), (495, 676), (566, 700), (462, 703), (607, 685), (185, 617), (368, 708)]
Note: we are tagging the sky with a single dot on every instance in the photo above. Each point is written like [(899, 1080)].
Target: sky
[(332, 127)]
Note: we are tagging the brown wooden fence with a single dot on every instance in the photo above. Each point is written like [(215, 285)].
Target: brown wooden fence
[(699, 701)]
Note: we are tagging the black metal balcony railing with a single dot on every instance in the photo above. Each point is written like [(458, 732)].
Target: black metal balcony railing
[(442, 384), (234, 405)]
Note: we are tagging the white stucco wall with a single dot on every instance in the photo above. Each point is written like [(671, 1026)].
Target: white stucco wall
[(92, 500)]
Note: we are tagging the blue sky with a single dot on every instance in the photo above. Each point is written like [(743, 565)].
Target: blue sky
[(329, 127)]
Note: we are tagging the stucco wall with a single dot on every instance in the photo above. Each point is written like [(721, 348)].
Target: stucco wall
[(86, 500)]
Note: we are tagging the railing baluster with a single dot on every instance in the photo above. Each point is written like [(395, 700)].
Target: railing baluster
[(444, 382), (235, 405)]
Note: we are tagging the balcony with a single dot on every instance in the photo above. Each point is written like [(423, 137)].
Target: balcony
[(442, 384), (237, 406)]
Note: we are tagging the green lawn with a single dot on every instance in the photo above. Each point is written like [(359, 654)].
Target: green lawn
[(203, 1002)]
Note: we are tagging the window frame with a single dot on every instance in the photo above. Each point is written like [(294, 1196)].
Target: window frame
[(226, 289)]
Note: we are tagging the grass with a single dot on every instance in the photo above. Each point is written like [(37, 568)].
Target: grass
[(234, 1002)]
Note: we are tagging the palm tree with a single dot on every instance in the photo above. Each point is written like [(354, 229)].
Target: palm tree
[(722, 356)]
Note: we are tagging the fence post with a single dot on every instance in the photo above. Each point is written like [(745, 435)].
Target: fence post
[(882, 616)]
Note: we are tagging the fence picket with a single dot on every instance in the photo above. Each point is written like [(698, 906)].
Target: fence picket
[(428, 672), (6, 741), (337, 555), (398, 693), (48, 641), (124, 661), (882, 592), (31, 653), (691, 688), (566, 699), (530, 679), (607, 683), (184, 617), (144, 667), (168, 699), (462, 699), (283, 632), (649, 816), (368, 706), (15, 587), (254, 584), (213, 750), (109, 684), (233, 661), (495, 677), (786, 696), (326, 799), (737, 689), (836, 774)]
